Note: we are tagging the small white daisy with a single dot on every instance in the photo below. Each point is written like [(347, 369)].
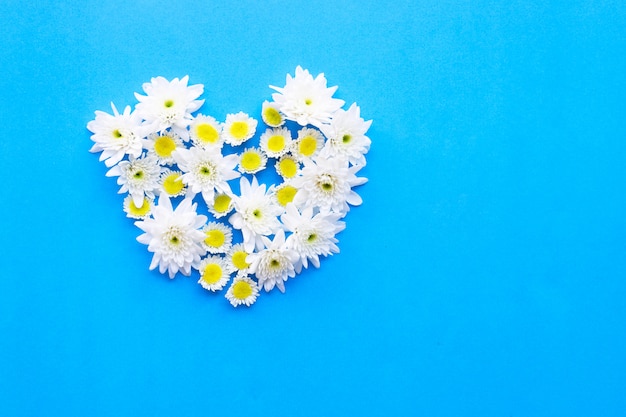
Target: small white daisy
[(284, 193), (287, 167), (243, 290), (205, 132), (274, 264), (346, 135), (163, 145), (135, 212), (236, 258), (171, 182), (139, 177), (306, 100), (218, 237), (308, 144), (238, 128), (221, 206), (213, 273), (271, 115), (173, 236), (256, 213), (276, 142), (169, 104), (252, 160)]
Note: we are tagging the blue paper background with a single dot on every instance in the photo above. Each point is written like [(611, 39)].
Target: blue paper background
[(483, 275)]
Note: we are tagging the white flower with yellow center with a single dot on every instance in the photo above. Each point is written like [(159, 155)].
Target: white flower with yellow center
[(287, 167), (327, 184), (236, 258), (205, 132), (306, 100), (221, 206), (135, 212), (139, 177), (274, 264), (271, 114), (312, 235), (256, 213), (206, 170), (171, 182), (252, 160), (213, 273), (218, 237), (243, 290), (169, 104), (163, 145), (308, 144), (346, 135), (117, 135), (238, 128), (173, 236), (276, 142), (284, 193)]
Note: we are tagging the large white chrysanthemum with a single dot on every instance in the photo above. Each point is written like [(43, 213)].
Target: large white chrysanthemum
[(274, 264), (327, 184), (206, 170), (346, 135), (305, 99), (138, 177), (117, 135), (169, 104), (256, 213), (174, 236), (312, 235)]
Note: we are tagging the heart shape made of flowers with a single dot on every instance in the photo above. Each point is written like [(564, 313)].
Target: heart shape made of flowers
[(178, 169)]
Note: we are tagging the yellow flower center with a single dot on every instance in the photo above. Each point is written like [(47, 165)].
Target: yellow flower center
[(221, 203), (168, 103), (117, 134), (164, 146), (286, 194), (272, 117), (288, 167), (239, 130), (139, 211), (250, 160), (214, 238), (276, 143), (307, 145), (172, 184), (242, 290), (346, 138), (206, 133), (239, 259), (212, 274)]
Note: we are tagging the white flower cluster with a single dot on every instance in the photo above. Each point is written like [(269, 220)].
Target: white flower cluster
[(164, 149)]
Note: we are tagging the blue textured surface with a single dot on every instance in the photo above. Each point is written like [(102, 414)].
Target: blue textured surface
[(485, 274)]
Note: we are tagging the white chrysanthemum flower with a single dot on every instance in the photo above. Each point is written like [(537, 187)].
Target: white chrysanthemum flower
[(276, 142), (238, 128), (256, 213), (308, 144), (205, 132), (346, 135), (284, 193), (163, 145), (213, 273), (171, 183), (236, 258), (206, 170), (135, 212), (252, 160), (274, 264), (271, 114), (173, 236), (117, 135), (221, 206), (169, 104), (243, 290), (327, 184), (306, 100), (312, 235), (287, 167), (218, 237), (139, 177)]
